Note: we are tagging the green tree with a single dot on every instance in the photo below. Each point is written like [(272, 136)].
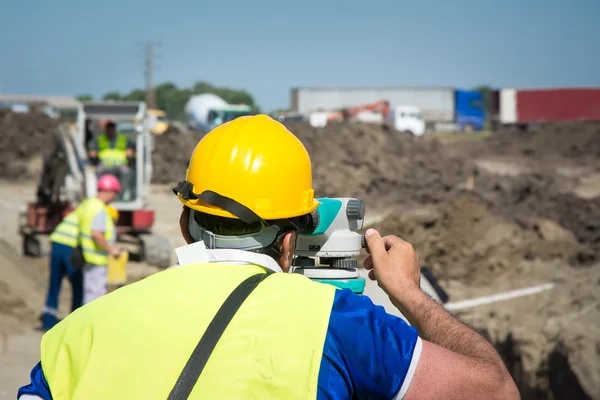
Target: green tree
[(84, 97), (172, 99), (112, 96)]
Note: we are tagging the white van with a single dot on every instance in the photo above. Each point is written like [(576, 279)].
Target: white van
[(407, 119)]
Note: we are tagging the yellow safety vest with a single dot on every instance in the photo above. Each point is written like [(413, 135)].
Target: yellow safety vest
[(112, 156), (67, 232), (92, 253), (134, 342)]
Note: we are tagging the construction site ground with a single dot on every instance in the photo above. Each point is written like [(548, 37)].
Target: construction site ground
[(487, 214)]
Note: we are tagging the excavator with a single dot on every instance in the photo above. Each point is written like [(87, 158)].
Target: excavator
[(68, 178)]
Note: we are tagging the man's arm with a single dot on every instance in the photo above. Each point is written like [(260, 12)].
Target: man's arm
[(130, 151), (93, 151), (456, 362)]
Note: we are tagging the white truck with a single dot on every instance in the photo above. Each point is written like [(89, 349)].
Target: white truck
[(207, 111)]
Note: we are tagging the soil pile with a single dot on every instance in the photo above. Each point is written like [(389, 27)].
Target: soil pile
[(379, 165), (24, 137), (552, 340), (171, 155), (568, 140), (464, 240)]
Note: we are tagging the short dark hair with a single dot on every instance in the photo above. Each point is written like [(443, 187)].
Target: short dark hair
[(235, 227), (110, 124)]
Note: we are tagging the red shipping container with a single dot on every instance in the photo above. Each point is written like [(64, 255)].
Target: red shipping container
[(556, 105)]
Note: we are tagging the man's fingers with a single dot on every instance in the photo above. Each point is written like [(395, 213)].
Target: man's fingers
[(375, 244), (368, 263), (372, 275), (390, 241)]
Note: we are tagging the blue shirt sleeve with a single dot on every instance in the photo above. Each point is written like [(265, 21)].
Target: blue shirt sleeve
[(99, 221), (38, 386), (367, 352)]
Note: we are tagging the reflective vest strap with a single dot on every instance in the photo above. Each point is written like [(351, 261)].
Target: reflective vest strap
[(193, 368), (67, 232), (77, 355)]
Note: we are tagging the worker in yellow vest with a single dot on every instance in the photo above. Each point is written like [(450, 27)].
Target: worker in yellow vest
[(228, 322), (97, 237), (63, 240), (113, 153)]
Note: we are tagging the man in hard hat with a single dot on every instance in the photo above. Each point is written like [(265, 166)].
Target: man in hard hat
[(63, 241), (97, 237), (229, 323), (114, 153)]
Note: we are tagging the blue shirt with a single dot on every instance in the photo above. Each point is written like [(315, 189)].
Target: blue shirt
[(368, 354)]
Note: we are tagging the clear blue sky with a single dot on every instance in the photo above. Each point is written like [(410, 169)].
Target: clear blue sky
[(267, 46)]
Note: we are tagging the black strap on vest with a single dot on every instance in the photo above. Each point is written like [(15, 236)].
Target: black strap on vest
[(193, 368)]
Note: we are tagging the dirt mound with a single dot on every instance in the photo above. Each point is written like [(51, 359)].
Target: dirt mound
[(378, 165), (24, 137), (171, 155), (543, 195), (568, 140), (464, 240), (550, 341)]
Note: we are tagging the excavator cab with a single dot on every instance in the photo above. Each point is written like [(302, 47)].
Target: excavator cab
[(69, 178)]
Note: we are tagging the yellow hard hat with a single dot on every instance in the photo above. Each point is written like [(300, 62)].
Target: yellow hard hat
[(113, 212), (249, 167)]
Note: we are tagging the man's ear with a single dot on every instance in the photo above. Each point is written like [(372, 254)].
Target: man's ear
[(288, 248), (184, 225)]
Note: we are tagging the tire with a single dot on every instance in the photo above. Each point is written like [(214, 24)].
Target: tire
[(32, 246), (156, 250)]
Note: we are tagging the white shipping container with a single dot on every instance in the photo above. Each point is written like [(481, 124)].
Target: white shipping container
[(508, 106), (436, 104)]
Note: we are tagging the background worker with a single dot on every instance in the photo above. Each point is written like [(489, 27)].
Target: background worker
[(63, 240), (291, 338), (113, 154), (97, 237)]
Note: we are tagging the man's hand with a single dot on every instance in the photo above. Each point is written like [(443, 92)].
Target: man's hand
[(464, 365), (393, 263), (115, 252)]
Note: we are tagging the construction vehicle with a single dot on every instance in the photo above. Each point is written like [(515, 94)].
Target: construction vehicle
[(68, 178), (402, 118), (157, 121), (207, 111)]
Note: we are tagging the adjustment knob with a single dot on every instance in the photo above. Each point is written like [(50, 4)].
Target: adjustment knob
[(304, 262), (355, 209), (346, 263)]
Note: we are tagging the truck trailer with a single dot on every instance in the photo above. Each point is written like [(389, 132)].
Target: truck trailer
[(441, 108), (524, 108)]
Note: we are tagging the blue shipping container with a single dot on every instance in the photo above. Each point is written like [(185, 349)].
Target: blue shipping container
[(469, 109)]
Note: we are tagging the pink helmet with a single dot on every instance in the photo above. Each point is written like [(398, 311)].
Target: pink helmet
[(109, 183)]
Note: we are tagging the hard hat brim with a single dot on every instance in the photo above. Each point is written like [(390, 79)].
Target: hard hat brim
[(200, 206)]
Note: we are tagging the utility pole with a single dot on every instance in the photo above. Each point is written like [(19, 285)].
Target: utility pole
[(150, 95)]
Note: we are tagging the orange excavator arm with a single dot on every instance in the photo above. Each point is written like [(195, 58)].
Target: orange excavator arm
[(382, 106)]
